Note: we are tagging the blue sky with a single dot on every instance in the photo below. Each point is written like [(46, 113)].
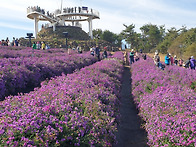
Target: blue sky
[(113, 14)]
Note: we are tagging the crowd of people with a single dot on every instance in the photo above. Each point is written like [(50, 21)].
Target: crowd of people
[(65, 10), (95, 51), (76, 10), (38, 45), (6, 42), (133, 56), (169, 60), (42, 11)]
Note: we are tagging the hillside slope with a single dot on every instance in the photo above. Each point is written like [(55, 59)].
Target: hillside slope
[(75, 33), (184, 46)]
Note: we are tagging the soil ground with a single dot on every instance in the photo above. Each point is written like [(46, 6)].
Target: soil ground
[(130, 133)]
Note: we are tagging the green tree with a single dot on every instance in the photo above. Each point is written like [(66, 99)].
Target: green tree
[(184, 45), (108, 36), (170, 36), (152, 35), (97, 33), (117, 40), (130, 36)]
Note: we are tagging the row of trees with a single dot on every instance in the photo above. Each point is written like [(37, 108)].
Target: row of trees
[(153, 37)]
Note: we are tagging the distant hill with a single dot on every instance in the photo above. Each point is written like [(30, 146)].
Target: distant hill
[(74, 33), (184, 46)]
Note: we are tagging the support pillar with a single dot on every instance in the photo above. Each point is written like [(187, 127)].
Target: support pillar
[(54, 27), (36, 26), (62, 22), (90, 27)]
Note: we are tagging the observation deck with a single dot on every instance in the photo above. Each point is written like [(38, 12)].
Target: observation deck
[(40, 15), (73, 15), (77, 14)]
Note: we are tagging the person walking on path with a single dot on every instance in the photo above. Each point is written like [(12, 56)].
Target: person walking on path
[(131, 56), (38, 46), (97, 52), (175, 60), (34, 45), (156, 59), (192, 63), (125, 58), (171, 59), (43, 46), (105, 54), (144, 56), (136, 56), (79, 48), (92, 51), (180, 62), (167, 60), (187, 63)]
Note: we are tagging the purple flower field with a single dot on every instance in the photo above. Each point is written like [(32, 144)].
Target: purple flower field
[(78, 109), (14, 52), (166, 103), (26, 72), (78, 103)]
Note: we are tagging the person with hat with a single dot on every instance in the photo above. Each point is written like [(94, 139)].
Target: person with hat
[(167, 59), (192, 63), (156, 59), (175, 60), (105, 54), (92, 50)]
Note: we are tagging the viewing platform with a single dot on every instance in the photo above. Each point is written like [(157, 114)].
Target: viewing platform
[(33, 12), (59, 17), (77, 14)]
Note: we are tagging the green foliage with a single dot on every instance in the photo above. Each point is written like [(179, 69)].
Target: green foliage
[(130, 35), (97, 33), (152, 35), (190, 50), (167, 41), (108, 36), (184, 45)]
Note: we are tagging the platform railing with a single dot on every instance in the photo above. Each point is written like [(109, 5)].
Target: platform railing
[(42, 12)]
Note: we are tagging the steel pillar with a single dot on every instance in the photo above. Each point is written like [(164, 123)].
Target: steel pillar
[(36, 26), (90, 27)]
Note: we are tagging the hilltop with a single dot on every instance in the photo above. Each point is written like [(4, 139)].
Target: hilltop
[(184, 45), (74, 33), (76, 36)]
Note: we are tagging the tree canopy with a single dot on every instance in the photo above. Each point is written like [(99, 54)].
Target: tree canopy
[(181, 42)]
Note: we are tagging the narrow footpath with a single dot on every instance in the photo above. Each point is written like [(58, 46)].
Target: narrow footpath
[(130, 133)]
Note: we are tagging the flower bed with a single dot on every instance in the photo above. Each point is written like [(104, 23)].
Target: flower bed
[(166, 103), (80, 109), (24, 73), (15, 52)]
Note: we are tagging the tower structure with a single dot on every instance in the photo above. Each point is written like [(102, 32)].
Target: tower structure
[(75, 15)]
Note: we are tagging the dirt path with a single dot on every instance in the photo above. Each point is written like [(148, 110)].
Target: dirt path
[(129, 133)]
